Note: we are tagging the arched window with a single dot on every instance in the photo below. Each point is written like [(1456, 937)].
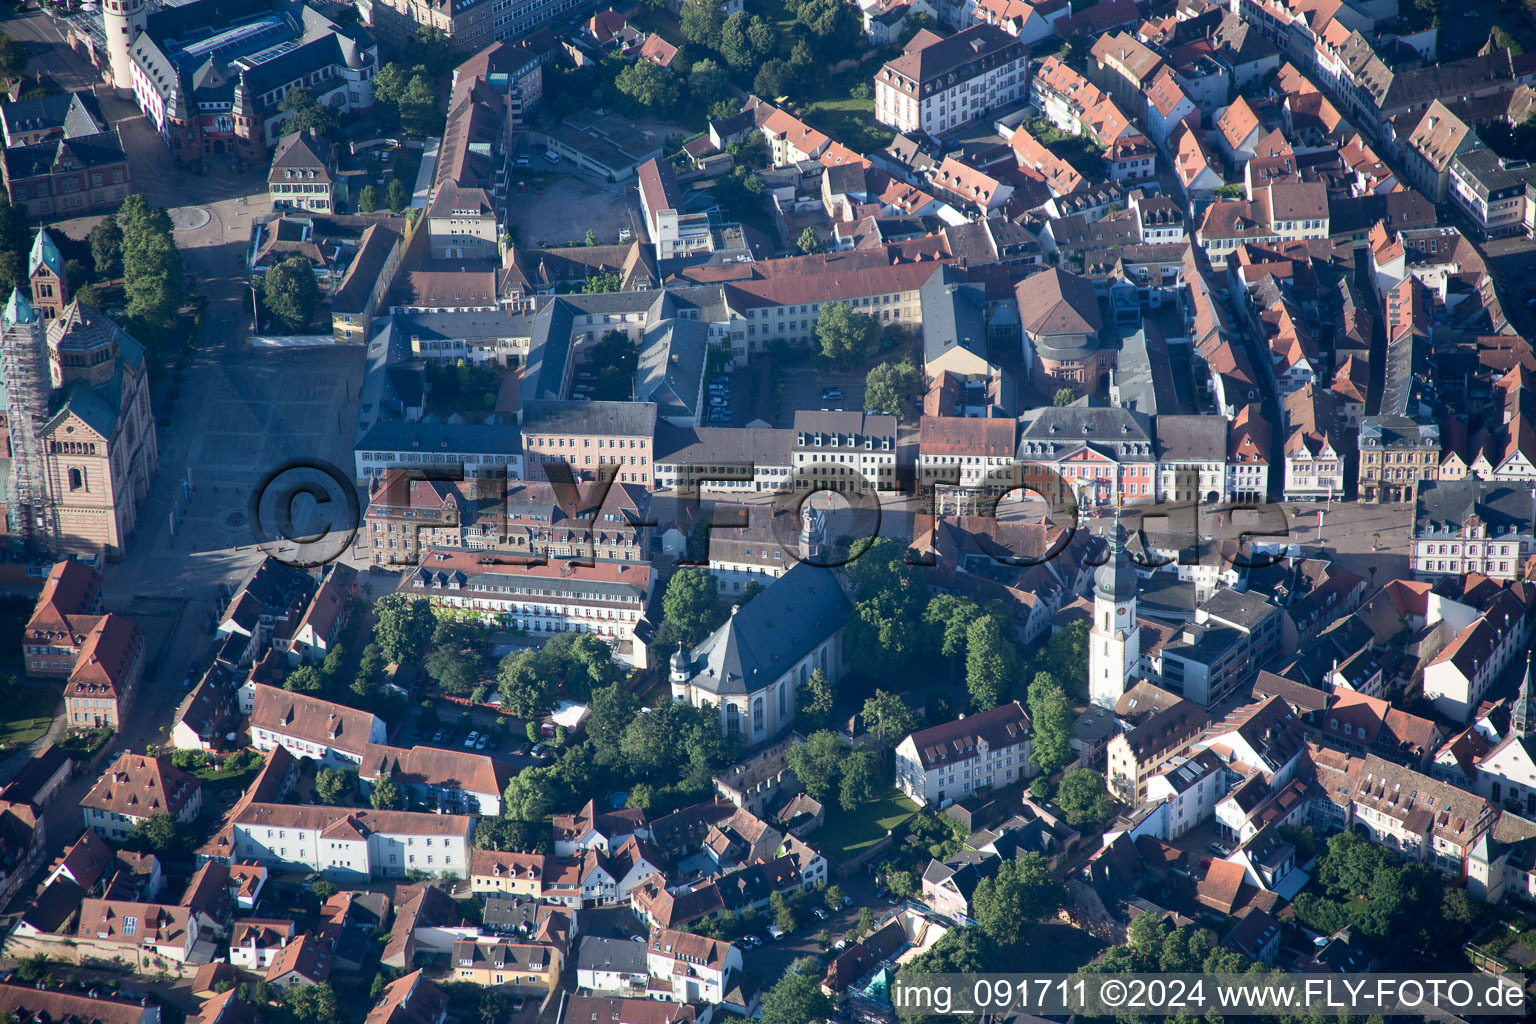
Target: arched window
[(76, 479), (803, 675), (757, 714), (783, 699)]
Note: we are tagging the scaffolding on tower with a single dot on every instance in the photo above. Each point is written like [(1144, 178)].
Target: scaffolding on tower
[(33, 519)]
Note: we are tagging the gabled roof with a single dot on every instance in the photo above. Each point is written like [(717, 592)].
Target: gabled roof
[(956, 741), (770, 634), (317, 721), (1055, 302)]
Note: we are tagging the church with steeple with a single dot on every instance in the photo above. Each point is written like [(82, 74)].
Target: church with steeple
[(82, 444), (1114, 639), (1506, 776)]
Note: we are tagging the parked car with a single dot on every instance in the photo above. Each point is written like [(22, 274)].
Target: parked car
[(518, 1002), (821, 915), (439, 736), (522, 161), (469, 741), (831, 394), (539, 750), (551, 156), (777, 933), (482, 741)]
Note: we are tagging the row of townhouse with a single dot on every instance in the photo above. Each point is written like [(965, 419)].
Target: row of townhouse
[(1076, 106)]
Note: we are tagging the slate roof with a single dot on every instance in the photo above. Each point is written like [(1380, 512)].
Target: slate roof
[(767, 636)]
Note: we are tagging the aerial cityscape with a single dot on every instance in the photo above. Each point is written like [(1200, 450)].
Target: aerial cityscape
[(707, 510)]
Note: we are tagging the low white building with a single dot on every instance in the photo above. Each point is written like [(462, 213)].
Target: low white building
[(1466, 526), (949, 762), (306, 726), (352, 844), (698, 967)]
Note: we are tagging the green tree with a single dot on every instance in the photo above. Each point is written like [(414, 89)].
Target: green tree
[(159, 834), (887, 385), (796, 999), (368, 199), (691, 607), (1063, 396), (323, 889), (1502, 40), (370, 669), (530, 795), (397, 196), (106, 240), (584, 661), (701, 23), (888, 717), (817, 762), (1083, 799), (290, 293), (419, 113), (89, 295), (304, 679), (335, 785), (834, 896), (745, 40), (591, 237), (510, 834), (774, 78), (707, 81), (154, 282), (36, 969), (861, 779), (13, 58), (946, 622), (526, 684), (314, 1003), (1051, 719), (386, 795), (810, 242), (305, 113), (783, 913), (991, 662), (1022, 893), (1066, 658), (595, 284), (828, 19), (613, 709), (846, 337), (404, 626), (456, 670), (814, 701), (958, 951), (650, 87)]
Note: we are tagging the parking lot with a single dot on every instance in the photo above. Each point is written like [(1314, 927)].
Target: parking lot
[(806, 387), (547, 208)]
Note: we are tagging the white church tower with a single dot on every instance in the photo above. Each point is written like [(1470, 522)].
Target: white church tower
[(122, 20), (1114, 642)]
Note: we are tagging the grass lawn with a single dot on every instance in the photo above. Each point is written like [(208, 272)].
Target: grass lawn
[(29, 712), (845, 834)]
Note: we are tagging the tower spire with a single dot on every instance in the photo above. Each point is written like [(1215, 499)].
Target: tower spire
[(1522, 719)]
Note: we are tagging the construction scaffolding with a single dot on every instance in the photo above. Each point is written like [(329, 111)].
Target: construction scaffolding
[(33, 519)]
